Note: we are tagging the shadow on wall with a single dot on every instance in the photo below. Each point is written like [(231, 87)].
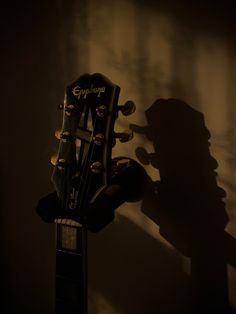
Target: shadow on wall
[(148, 277), (187, 203)]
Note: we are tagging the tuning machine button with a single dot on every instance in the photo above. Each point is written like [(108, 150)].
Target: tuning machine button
[(101, 111), (67, 137), (58, 134), (128, 108), (64, 136), (124, 136), (53, 160), (59, 162), (96, 167)]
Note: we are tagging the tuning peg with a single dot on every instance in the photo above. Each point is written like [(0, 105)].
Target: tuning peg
[(60, 163), (53, 160), (124, 136), (67, 137), (64, 136), (67, 107), (58, 134), (128, 108)]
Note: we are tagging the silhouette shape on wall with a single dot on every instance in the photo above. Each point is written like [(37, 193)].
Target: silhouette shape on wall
[(187, 203)]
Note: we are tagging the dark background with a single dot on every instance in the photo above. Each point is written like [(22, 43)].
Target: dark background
[(39, 56)]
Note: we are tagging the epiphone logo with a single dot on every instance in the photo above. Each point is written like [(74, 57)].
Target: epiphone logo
[(82, 93)]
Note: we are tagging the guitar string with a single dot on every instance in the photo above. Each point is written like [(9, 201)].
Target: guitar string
[(84, 165), (85, 171), (67, 174), (84, 249), (85, 177), (89, 173), (80, 162)]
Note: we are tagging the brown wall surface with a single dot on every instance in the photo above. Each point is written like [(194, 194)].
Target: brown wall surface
[(142, 262)]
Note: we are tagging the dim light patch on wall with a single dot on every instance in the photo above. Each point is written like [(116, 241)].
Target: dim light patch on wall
[(97, 303)]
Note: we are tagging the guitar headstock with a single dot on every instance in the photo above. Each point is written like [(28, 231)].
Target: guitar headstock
[(83, 166)]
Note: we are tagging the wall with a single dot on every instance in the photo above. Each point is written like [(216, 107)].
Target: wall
[(152, 50)]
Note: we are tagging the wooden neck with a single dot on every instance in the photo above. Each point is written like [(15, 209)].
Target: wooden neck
[(71, 270)]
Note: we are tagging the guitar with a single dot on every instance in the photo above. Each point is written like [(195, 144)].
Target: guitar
[(89, 184)]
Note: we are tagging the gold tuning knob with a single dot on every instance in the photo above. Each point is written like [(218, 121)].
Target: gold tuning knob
[(59, 162), (53, 160), (124, 136), (58, 134), (64, 136), (128, 108)]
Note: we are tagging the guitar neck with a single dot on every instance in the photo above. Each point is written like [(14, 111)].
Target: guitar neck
[(82, 177), (71, 270)]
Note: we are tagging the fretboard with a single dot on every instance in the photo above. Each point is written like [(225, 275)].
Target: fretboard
[(71, 270)]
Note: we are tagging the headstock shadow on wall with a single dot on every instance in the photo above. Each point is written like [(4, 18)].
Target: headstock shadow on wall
[(187, 202)]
